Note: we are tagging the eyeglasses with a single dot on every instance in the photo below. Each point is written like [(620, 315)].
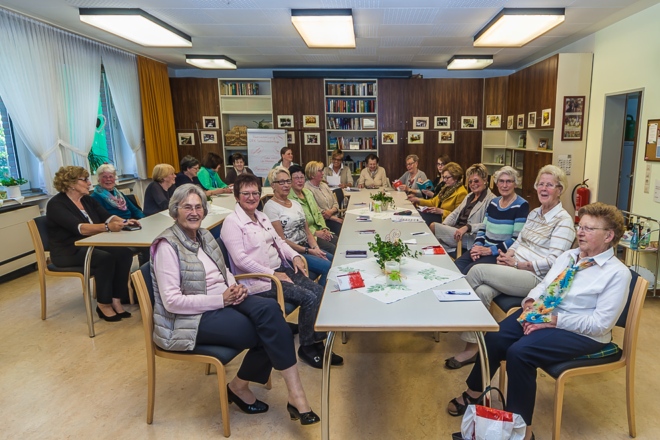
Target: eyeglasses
[(84, 179), (282, 182), (249, 194), (505, 182), (546, 185), (440, 164), (107, 176), (298, 177), (474, 181), (409, 164), (191, 208), (446, 177), (589, 229)]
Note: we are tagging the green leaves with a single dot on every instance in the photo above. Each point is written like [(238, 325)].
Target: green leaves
[(381, 197), (390, 251), (10, 181)]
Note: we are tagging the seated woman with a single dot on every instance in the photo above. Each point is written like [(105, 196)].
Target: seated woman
[(571, 313), (190, 168), (289, 221), (548, 233), (255, 247), (438, 182), (158, 193), (338, 172), (449, 197), (197, 301), (505, 218), (326, 239), (238, 168), (286, 160), (372, 176), (73, 215), (209, 176), (462, 224), (110, 198), (412, 176), (325, 198)]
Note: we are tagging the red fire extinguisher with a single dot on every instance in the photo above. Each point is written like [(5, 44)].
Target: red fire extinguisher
[(580, 197)]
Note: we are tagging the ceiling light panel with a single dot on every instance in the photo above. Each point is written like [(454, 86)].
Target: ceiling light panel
[(517, 27), (325, 28)]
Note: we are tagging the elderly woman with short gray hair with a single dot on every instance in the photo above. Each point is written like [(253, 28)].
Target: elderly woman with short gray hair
[(110, 198), (197, 301)]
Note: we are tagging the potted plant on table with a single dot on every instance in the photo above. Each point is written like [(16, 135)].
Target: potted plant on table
[(388, 256), (13, 186), (381, 201)]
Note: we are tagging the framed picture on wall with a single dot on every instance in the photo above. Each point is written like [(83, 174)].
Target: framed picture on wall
[(388, 138), (290, 137), (420, 123), (521, 122), (210, 122), (312, 138), (310, 121), (186, 138), (415, 137), (509, 122), (531, 120), (573, 120), (468, 122), (368, 123), (209, 137), (546, 117), (493, 121), (441, 122), (446, 137), (285, 121)]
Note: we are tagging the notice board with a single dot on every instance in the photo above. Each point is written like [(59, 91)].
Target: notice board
[(652, 152), (264, 149)]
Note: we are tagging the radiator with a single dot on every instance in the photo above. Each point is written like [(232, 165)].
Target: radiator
[(16, 250)]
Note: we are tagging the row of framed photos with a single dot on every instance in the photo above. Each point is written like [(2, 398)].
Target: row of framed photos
[(415, 137)]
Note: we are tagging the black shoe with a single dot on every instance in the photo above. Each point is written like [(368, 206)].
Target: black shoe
[(124, 314), (308, 418), (294, 328), (257, 407), (113, 318), (311, 356), (335, 359)]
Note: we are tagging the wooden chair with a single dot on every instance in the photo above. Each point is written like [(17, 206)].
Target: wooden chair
[(626, 357), (263, 201), (134, 200), (206, 354), (39, 235)]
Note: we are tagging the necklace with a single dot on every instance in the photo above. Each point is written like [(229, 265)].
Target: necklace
[(283, 202)]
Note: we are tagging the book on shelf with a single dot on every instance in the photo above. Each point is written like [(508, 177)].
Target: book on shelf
[(350, 106), (351, 89), (240, 88), (344, 142)]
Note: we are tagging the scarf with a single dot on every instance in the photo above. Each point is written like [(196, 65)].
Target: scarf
[(555, 293), (114, 198), (448, 191)]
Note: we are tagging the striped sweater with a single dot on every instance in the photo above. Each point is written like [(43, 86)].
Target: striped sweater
[(502, 225)]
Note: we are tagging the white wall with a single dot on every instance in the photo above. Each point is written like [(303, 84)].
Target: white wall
[(626, 59)]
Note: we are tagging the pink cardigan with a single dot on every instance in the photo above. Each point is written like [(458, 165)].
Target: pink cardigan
[(247, 252)]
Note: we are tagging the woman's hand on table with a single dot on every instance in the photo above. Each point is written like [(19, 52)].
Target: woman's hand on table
[(116, 224), (283, 276), (458, 235), (299, 265), (235, 294)]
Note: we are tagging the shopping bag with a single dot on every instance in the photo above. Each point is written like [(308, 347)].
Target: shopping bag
[(484, 423)]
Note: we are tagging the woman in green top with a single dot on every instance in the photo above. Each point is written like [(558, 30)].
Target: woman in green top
[(209, 175), (326, 240), (286, 155)]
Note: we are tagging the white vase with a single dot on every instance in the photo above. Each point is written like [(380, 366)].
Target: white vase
[(393, 273), (14, 192)]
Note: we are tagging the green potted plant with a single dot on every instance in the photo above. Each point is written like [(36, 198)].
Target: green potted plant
[(13, 186), (388, 256), (381, 201)]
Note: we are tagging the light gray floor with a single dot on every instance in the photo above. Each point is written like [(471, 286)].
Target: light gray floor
[(56, 382)]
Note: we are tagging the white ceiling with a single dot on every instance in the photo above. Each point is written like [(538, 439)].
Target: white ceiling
[(411, 34)]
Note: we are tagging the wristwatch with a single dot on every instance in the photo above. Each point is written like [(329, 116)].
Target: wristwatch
[(515, 264), (306, 250)]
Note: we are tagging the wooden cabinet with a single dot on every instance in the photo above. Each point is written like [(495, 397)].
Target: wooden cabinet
[(533, 161), (532, 89)]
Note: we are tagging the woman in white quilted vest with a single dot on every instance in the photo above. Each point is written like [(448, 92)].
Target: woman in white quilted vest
[(197, 301)]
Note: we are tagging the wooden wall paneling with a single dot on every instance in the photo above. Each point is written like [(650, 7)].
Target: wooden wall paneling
[(310, 100), (515, 94), (495, 96), (533, 161), (392, 104), (284, 100), (547, 85), (312, 152), (467, 147), (393, 157)]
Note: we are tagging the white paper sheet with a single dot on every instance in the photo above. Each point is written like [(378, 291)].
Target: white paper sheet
[(333, 180), (455, 295)]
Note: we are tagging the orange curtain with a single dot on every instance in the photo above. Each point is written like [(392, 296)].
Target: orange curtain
[(157, 114)]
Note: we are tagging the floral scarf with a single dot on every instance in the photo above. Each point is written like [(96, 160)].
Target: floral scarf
[(448, 190), (554, 294), (114, 198)]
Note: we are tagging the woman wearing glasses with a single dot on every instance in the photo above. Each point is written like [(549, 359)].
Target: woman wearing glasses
[(337, 172), (548, 233), (73, 215), (439, 183), (412, 176), (570, 314), (449, 197), (255, 246)]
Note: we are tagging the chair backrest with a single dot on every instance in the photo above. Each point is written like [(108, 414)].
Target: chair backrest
[(133, 199), (621, 322), (263, 201), (225, 252), (632, 318), (41, 224), (339, 195), (145, 291), (38, 242)]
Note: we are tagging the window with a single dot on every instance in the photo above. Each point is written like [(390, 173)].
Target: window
[(103, 147), (8, 161)]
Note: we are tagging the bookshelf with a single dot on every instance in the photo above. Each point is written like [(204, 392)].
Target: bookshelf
[(351, 117), (243, 102)]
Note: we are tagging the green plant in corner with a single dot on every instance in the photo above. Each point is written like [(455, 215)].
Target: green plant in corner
[(10, 181), (390, 250), (263, 124)]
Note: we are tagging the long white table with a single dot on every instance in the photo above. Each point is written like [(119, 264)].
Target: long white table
[(352, 311)]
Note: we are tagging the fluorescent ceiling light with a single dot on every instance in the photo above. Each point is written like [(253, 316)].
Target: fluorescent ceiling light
[(211, 61), (469, 62), (325, 28), (135, 25), (517, 27)]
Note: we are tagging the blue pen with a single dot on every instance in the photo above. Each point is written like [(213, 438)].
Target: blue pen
[(453, 292)]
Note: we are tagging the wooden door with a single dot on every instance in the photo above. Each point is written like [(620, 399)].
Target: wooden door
[(533, 161)]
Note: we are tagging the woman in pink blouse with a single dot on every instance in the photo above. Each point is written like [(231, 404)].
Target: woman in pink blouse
[(197, 301), (255, 246)]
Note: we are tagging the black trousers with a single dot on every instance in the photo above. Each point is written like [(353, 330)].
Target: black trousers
[(523, 355), (464, 263), (256, 324), (431, 218), (328, 246), (110, 267), (306, 294)]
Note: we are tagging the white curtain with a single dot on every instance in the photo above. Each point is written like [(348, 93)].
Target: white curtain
[(49, 81), (122, 75)]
